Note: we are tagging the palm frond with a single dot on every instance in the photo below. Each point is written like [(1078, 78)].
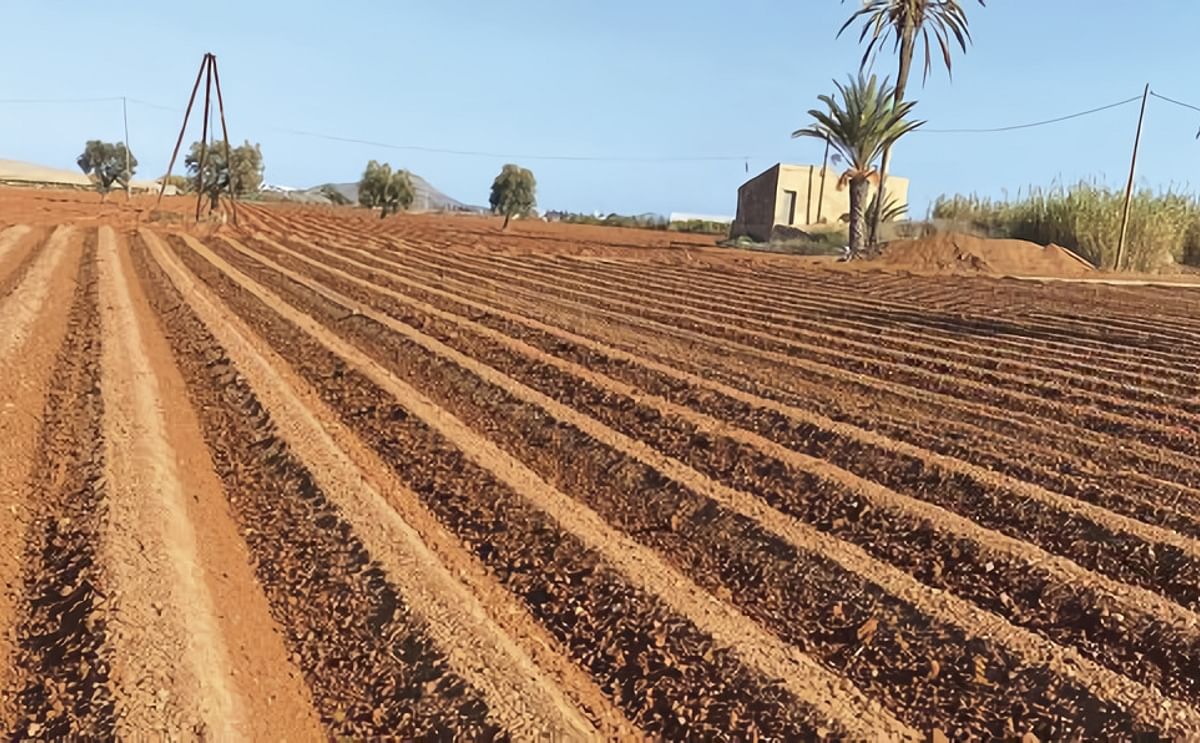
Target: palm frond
[(933, 22), (860, 121)]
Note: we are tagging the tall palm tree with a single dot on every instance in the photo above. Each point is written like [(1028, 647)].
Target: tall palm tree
[(907, 23), (863, 125)]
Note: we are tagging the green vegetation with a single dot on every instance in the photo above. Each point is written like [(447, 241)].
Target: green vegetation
[(107, 163), (514, 192), (907, 23), (391, 191), (860, 127), (699, 227), (643, 222), (1086, 218), (245, 168)]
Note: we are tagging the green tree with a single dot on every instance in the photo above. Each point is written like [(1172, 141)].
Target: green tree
[(107, 163), (514, 192), (860, 127), (907, 23), (382, 187), (245, 168)]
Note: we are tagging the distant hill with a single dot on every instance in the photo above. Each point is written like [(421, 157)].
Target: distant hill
[(427, 199)]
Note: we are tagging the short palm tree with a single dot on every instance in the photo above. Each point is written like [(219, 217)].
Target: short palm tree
[(906, 23), (861, 126)]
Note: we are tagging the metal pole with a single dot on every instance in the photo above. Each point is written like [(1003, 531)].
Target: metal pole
[(225, 134), (128, 168), (204, 133), (1137, 141), (182, 129), (824, 167)]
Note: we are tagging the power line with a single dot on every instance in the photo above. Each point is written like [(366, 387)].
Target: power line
[(1033, 124), (1172, 100), (110, 99)]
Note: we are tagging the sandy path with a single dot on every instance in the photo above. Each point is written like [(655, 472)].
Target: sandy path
[(38, 313), (833, 696), (171, 668), (522, 696)]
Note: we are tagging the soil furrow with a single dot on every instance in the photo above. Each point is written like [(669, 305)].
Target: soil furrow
[(171, 669), (20, 308), (517, 690), (366, 658), (1118, 546), (652, 660), (990, 578), (762, 586), (25, 377), (799, 319), (1170, 431), (17, 248), (824, 382), (62, 665)]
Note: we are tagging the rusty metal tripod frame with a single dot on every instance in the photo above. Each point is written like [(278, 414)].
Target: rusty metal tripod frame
[(212, 78)]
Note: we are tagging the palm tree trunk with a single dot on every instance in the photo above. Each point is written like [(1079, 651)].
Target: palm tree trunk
[(859, 189), (908, 42)]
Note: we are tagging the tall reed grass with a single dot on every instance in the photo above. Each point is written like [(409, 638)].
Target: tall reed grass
[(1164, 227)]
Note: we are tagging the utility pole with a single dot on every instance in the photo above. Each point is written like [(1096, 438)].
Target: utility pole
[(128, 168), (1137, 141)]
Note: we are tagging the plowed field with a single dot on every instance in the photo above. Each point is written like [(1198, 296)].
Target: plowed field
[(324, 475)]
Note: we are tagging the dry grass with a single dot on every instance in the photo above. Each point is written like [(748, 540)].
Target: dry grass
[(1164, 227)]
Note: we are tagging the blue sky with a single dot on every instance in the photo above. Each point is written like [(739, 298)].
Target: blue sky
[(604, 79)]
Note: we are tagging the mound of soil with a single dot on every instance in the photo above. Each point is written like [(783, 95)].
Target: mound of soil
[(953, 252)]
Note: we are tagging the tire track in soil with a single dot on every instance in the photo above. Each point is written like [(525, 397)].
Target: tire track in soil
[(62, 665), (1157, 654), (171, 669), (370, 667), (653, 661), (1119, 551), (559, 446), (524, 698)]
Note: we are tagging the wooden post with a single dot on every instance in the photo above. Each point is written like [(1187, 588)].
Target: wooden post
[(225, 135), (824, 167), (1137, 141), (182, 128), (204, 133)]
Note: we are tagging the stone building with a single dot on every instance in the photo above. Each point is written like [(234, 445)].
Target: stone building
[(792, 196)]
